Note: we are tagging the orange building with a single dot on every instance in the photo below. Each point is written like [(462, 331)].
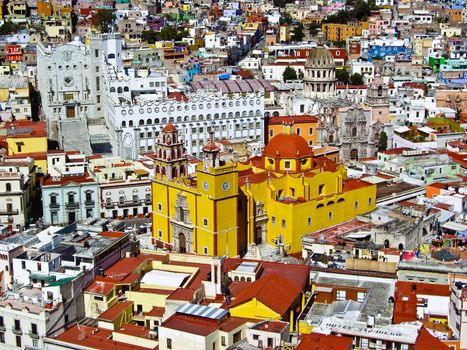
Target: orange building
[(303, 125), (44, 8)]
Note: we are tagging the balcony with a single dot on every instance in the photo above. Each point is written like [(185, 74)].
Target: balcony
[(72, 205), (54, 205), (17, 331), (89, 203), (9, 211), (2, 328), (128, 204), (33, 335), (109, 205), (148, 201)]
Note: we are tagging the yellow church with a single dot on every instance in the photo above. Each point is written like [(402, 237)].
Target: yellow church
[(224, 207)]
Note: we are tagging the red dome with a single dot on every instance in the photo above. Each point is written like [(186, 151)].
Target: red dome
[(169, 128), (287, 146)]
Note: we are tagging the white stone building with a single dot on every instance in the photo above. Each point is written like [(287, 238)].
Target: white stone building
[(17, 184)]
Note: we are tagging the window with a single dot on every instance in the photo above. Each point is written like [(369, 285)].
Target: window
[(2, 324), (2, 337), (8, 187), (330, 215), (321, 189), (364, 343), (34, 328), (356, 205), (169, 343), (222, 340), (159, 206), (17, 325), (160, 233), (98, 297), (283, 223), (361, 296), (287, 164), (273, 220), (310, 131), (341, 295), (18, 341), (309, 221), (299, 131), (370, 201), (205, 221), (88, 196), (205, 250), (23, 265)]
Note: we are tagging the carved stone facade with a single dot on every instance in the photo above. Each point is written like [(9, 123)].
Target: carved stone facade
[(350, 129), (182, 226)]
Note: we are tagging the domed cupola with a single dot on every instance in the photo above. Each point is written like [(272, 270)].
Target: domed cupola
[(320, 73), (288, 152)]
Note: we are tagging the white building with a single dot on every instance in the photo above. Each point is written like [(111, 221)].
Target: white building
[(17, 184)]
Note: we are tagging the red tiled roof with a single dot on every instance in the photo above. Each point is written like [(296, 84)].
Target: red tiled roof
[(94, 338), (297, 119), (202, 326), (115, 310), (134, 330), (274, 291), (178, 96), (397, 150), (65, 180), (354, 184), (316, 341), (112, 234), (155, 312), (426, 341), (100, 287)]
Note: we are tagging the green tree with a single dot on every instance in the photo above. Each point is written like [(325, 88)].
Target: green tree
[(286, 18), (356, 79), (149, 36), (104, 20), (382, 142), (289, 74), (313, 29), (342, 76), (8, 27), (298, 33)]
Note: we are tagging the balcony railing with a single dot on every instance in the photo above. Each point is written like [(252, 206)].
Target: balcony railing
[(54, 205), (89, 203), (72, 205), (33, 335), (9, 211), (17, 331)]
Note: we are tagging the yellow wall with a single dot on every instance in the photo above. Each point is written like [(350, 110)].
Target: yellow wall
[(340, 32), (213, 204), (20, 92), (29, 145), (341, 205), (254, 309), (147, 300)]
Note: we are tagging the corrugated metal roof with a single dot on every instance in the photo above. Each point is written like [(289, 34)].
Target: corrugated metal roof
[(202, 311)]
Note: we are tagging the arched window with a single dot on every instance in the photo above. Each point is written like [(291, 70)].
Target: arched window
[(123, 124), (130, 123), (156, 121), (148, 122), (111, 55), (141, 122), (112, 89), (320, 206), (354, 132), (126, 89), (119, 90)]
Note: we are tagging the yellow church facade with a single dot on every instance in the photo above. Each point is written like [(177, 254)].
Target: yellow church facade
[(224, 208)]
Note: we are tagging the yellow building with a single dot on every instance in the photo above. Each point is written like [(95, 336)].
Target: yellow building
[(24, 138), (287, 192), (194, 216), (340, 32)]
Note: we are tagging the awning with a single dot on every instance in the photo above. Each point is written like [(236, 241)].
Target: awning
[(42, 277), (455, 226)]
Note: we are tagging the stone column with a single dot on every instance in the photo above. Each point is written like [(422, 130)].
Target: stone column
[(137, 142)]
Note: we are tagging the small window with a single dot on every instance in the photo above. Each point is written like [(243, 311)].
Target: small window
[(205, 250), (159, 206), (310, 131), (169, 343), (273, 220), (321, 189), (356, 205), (205, 221), (287, 164), (223, 341), (8, 187), (23, 265), (309, 221), (341, 295), (330, 215), (370, 201), (160, 233), (98, 297), (361, 296), (283, 223)]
